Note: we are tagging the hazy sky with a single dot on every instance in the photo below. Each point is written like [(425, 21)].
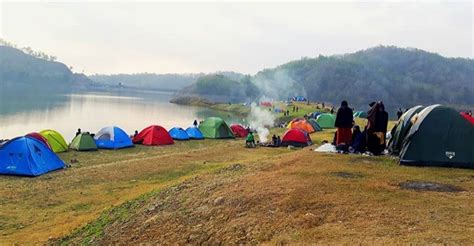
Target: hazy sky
[(129, 37)]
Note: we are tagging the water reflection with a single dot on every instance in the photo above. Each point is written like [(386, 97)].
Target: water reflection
[(91, 111)]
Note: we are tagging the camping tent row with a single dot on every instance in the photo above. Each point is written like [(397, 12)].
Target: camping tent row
[(34, 154), (433, 136), (115, 138)]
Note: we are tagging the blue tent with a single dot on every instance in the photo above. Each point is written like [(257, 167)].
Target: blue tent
[(178, 133), (27, 156), (314, 115), (112, 137), (194, 133), (300, 99)]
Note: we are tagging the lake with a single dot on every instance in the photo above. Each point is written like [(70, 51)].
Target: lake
[(93, 110)]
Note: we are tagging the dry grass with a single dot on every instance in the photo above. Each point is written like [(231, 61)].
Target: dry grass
[(34, 209), (279, 196), (295, 197)]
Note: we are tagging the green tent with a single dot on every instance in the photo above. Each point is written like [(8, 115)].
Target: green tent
[(360, 114), (400, 130), (326, 120), (315, 125), (440, 136), (55, 140), (214, 127), (83, 142)]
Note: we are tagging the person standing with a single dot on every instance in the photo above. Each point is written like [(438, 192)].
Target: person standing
[(195, 123), (381, 125), (344, 119), (376, 128)]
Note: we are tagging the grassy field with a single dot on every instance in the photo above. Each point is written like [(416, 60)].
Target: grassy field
[(33, 209), (295, 196), (278, 195)]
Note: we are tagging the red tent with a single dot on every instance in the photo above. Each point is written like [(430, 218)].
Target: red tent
[(265, 104), (39, 137), (296, 137), (239, 131), (468, 117), (153, 135)]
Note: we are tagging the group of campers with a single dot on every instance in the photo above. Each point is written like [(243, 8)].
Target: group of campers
[(349, 137)]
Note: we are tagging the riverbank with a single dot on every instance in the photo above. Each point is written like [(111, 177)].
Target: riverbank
[(213, 191)]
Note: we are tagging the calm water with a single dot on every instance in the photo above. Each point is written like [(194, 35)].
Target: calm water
[(91, 111)]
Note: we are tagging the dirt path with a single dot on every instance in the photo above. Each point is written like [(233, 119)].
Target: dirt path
[(296, 197)]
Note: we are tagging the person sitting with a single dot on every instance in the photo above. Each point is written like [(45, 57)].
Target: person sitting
[(78, 132), (278, 141), (250, 141), (359, 142), (135, 134), (355, 133), (274, 140)]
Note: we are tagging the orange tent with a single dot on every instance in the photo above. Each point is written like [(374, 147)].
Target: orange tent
[(301, 124)]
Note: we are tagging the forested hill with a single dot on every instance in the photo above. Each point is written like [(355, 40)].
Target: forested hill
[(398, 76), (21, 70), (152, 81)]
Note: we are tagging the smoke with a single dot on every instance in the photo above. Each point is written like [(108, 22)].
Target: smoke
[(261, 119), (277, 84)]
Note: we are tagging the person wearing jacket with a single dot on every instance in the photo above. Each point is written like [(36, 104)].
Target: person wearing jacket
[(344, 119), (376, 128)]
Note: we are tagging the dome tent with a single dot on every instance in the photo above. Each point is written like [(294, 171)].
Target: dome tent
[(194, 133), (326, 120), (112, 137), (440, 136), (38, 137), (360, 114), (153, 135), (178, 133), (55, 140), (27, 156), (239, 131), (315, 125), (214, 127), (83, 142), (314, 115), (301, 124), (401, 129), (296, 137)]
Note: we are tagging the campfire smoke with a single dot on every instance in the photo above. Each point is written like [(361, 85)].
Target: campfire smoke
[(260, 119)]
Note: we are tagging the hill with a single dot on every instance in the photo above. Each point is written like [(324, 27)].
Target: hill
[(398, 76), (19, 69), (220, 88), (153, 81)]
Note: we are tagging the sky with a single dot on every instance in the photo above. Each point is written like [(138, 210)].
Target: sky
[(189, 37)]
